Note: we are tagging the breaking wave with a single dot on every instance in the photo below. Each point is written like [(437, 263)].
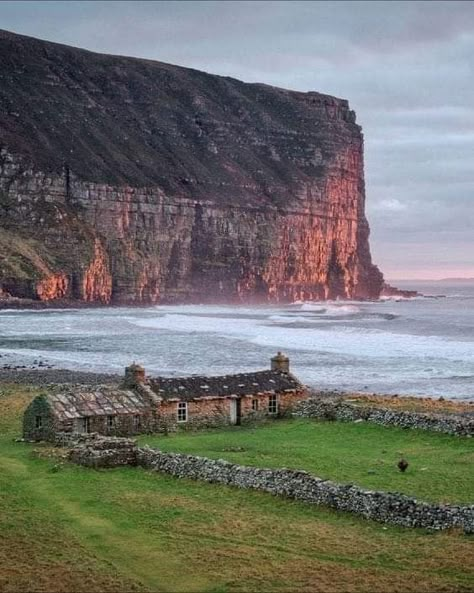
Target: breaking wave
[(330, 309), (416, 346)]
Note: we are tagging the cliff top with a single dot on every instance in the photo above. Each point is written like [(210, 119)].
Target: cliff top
[(34, 43), (138, 122)]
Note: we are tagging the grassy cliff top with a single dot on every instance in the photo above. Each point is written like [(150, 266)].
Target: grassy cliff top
[(130, 121)]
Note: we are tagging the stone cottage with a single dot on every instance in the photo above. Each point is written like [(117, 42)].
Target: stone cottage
[(160, 404)]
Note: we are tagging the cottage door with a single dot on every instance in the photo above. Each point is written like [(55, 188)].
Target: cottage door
[(238, 403), (233, 411)]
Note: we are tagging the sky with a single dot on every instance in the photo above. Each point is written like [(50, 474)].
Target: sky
[(407, 69)]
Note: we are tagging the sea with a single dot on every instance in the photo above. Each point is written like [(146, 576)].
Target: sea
[(419, 346)]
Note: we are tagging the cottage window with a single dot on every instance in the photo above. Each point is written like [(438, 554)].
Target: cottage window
[(255, 405), (39, 422), (137, 422), (273, 404), (110, 421), (85, 424), (182, 411)]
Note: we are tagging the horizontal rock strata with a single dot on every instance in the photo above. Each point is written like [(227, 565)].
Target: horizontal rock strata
[(131, 181)]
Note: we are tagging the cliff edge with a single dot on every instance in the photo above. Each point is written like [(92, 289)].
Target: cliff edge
[(125, 180)]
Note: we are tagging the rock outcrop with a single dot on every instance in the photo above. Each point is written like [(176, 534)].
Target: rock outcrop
[(391, 291), (131, 181)]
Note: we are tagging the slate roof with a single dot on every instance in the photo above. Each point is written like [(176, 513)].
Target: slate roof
[(103, 400), (99, 401), (195, 387)]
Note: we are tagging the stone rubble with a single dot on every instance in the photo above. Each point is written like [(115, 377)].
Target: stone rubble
[(103, 452)]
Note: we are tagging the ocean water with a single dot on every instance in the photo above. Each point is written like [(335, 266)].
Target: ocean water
[(421, 346)]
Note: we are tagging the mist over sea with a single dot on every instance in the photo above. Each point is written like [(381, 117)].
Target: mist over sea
[(421, 346)]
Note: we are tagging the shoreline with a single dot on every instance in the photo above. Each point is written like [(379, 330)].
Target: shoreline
[(51, 376), (32, 305)]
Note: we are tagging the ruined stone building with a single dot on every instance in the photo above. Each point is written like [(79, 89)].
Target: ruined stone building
[(160, 404)]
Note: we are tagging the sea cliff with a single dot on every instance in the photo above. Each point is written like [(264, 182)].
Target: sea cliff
[(131, 181)]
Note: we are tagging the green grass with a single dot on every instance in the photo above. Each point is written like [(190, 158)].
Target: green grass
[(126, 529), (441, 467)]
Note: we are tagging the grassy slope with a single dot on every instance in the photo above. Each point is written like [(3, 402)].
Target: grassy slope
[(22, 258), (360, 453), (38, 549), (77, 529)]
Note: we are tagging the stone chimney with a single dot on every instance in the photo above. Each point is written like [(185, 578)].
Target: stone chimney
[(281, 363), (134, 375)]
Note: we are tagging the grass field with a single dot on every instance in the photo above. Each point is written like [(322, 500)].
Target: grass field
[(441, 467), (75, 529)]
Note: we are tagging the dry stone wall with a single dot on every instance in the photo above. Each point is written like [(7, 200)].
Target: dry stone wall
[(384, 507), (330, 409)]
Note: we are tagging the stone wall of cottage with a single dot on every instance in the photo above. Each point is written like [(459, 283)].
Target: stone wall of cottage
[(119, 425), (74, 439), (39, 408), (213, 413), (202, 413), (384, 507), (336, 409), (288, 401)]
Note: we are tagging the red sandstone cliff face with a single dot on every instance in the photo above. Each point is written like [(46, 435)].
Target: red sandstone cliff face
[(96, 282), (138, 182), (54, 286)]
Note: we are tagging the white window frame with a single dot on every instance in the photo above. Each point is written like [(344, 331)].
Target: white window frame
[(38, 422), (182, 412), (273, 404), (255, 404), (111, 421)]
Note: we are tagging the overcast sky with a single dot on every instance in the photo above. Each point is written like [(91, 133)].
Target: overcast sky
[(407, 69)]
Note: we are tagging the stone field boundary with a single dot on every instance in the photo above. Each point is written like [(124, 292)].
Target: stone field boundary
[(330, 409), (385, 507)]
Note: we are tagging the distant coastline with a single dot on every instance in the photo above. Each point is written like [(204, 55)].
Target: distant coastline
[(430, 280), (455, 280)]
